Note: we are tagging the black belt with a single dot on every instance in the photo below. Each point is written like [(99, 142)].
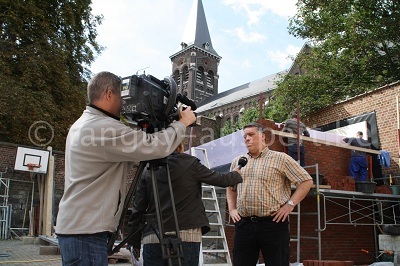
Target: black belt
[(256, 219)]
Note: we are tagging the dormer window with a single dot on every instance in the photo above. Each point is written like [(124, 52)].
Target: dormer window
[(206, 46)]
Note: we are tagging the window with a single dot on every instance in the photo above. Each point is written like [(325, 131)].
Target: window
[(210, 79), (185, 74), (236, 119), (177, 78), (199, 75)]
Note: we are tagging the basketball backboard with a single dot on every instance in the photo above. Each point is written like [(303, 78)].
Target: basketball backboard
[(32, 160)]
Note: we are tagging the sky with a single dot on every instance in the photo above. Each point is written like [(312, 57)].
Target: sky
[(251, 36)]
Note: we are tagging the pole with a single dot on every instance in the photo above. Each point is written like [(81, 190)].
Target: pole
[(398, 126), (298, 131)]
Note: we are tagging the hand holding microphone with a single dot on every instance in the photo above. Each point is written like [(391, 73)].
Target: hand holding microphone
[(241, 163)]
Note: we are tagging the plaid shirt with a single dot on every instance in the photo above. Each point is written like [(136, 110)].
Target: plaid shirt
[(267, 182)]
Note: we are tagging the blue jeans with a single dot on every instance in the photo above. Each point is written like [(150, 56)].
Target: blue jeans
[(359, 168), (268, 236), (83, 250), (152, 255)]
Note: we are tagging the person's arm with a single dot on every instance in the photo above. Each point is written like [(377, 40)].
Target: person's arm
[(305, 131), (214, 178), (297, 197), (299, 176), (231, 197)]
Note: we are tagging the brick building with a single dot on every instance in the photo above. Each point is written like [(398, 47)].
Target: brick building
[(195, 68), (339, 242)]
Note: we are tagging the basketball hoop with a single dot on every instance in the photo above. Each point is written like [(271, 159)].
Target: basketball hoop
[(32, 166)]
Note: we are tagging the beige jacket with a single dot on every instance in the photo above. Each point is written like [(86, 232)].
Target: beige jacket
[(99, 150)]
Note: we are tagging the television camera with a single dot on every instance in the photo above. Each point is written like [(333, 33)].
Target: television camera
[(150, 101)]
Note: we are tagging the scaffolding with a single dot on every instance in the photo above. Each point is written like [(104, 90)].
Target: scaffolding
[(358, 209), (6, 208), (5, 218)]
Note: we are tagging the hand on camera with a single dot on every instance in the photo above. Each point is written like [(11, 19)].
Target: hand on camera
[(186, 116)]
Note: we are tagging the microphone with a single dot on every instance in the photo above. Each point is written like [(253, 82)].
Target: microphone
[(242, 162)]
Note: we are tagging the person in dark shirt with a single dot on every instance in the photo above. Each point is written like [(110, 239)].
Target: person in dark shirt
[(187, 175), (291, 127), (358, 164)]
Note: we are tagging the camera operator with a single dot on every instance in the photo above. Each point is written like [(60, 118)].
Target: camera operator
[(187, 174), (98, 153)]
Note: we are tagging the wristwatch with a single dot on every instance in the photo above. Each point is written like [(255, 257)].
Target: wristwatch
[(291, 203)]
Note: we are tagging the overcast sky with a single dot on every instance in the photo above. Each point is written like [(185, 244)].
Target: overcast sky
[(251, 36)]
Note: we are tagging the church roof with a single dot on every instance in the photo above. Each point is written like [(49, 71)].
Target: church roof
[(196, 32), (244, 91)]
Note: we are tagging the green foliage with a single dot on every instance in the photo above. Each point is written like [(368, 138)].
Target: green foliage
[(44, 47), (249, 115), (355, 48)]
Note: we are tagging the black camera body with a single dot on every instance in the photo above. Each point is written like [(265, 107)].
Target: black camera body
[(150, 102)]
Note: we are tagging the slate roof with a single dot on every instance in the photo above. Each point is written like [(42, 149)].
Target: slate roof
[(244, 91), (196, 31)]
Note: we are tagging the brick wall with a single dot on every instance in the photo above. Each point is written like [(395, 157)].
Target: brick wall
[(20, 189), (383, 102)]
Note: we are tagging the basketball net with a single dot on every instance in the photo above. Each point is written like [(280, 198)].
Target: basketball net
[(31, 168)]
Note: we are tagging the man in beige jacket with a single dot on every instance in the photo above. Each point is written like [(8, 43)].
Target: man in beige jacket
[(99, 149)]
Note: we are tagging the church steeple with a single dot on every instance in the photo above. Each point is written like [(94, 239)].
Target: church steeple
[(195, 66), (196, 31)]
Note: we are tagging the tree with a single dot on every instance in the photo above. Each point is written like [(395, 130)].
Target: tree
[(249, 115), (45, 46), (355, 48)]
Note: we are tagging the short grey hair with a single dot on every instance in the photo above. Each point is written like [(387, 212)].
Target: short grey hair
[(100, 83)]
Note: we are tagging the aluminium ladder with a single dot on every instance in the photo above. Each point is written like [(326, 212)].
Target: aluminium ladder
[(214, 248), (5, 216)]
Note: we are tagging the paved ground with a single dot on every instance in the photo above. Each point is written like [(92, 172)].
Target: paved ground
[(14, 252)]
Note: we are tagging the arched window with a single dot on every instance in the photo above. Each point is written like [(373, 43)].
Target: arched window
[(210, 79), (236, 119), (199, 75), (185, 74), (177, 78)]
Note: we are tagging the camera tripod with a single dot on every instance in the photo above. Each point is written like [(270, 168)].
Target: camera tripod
[(171, 246)]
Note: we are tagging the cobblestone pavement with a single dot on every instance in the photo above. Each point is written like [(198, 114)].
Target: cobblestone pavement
[(14, 252)]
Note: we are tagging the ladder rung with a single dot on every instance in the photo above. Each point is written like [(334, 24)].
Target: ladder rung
[(208, 198), (211, 237), (216, 264), (212, 211), (215, 251), (309, 237), (216, 224)]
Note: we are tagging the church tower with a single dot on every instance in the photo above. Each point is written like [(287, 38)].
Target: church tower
[(195, 66)]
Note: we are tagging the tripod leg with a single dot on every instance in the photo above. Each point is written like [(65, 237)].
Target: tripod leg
[(170, 248), (127, 201), (178, 248)]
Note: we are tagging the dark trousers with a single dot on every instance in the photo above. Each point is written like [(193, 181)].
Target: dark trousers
[(359, 168), (152, 255), (292, 152), (268, 236)]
